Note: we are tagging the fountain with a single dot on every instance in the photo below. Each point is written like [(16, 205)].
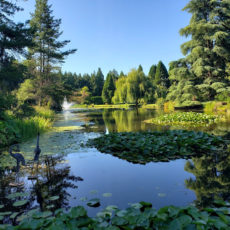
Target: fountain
[(66, 105)]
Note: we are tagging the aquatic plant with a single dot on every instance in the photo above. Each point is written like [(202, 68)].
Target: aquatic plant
[(143, 147), (44, 112), (186, 119), (137, 216)]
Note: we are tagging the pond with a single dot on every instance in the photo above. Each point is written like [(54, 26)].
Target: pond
[(71, 174)]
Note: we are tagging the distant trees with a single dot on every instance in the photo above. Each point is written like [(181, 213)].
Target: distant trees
[(97, 82), (109, 87)]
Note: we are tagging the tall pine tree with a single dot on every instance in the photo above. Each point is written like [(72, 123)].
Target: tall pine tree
[(109, 87), (47, 52)]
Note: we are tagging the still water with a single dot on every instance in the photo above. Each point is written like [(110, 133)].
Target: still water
[(76, 174)]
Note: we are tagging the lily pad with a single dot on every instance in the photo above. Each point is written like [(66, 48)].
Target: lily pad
[(13, 216), (5, 213), (93, 191), (20, 203), (107, 194), (1, 206), (53, 198), (83, 199), (94, 203), (17, 194), (161, 194)]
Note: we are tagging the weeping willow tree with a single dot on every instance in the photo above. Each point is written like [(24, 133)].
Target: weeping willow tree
[(207, 54), (135, 88)]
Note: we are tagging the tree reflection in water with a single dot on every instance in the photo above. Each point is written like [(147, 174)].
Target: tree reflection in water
[(212, 180), (53, 180)]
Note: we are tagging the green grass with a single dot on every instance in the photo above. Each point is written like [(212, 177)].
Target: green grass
[(13, 130), (186, 119), (44, 112), (118, 106)]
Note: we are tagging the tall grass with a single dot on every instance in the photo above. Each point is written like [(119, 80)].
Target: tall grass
[(29, 127), (14, 130), (44, 112)]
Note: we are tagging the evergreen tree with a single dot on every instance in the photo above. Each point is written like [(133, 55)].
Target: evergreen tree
[(97, 82), (162, 76), (209, 47), (109, 87), (140, 68), (152, 72), (47, 51), (207, 54), (14, 37)]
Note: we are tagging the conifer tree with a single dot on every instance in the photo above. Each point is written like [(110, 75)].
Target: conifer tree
[(97, 82), (109, 87), (207, 54), (14, 37), (47, 52), (152, 72), (161, 76), (140, 68)]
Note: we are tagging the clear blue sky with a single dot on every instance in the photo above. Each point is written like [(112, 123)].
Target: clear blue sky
[(118, 34)]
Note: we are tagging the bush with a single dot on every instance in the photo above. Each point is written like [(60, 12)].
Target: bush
[(97, 100)]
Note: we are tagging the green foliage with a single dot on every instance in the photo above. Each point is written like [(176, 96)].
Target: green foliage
[(97, 82), (44, 56), (205, 92), (183, 93), (13, 130), (137, 216), (207, 53), (162, 76), (97, 100), (187, 119), (152, 72), (26, 91), (109, 87), (143, 147), (134, 88)]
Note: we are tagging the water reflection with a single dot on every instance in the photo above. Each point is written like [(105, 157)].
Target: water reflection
[(212, 178), (48, 189)]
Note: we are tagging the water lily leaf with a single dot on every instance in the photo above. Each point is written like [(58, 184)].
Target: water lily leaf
[(46, 214), (93, 191), (5, 213), (50, 206), (14, 215), (83, 199), (1, 206), (1, 217), (20, 203), (52, 198), (161, 194), (111, 208), (17, 194), (94, 203), (107, 194)]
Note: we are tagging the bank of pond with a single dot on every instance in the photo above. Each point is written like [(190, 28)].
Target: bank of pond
[(45, 201)]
